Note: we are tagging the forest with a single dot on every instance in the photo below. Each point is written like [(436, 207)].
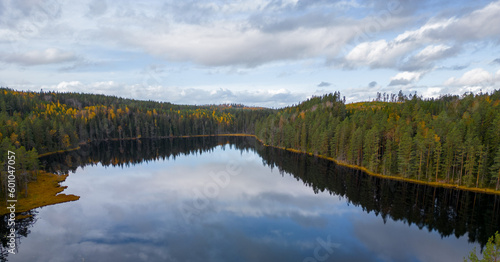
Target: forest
[(33, 124), (451, 139)]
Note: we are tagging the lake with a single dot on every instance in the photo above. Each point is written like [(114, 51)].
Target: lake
[(233, 199)]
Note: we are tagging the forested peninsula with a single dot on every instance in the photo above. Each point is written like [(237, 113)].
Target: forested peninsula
[(451, 140)]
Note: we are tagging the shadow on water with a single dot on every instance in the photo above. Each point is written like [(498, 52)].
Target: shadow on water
[(447, 211)]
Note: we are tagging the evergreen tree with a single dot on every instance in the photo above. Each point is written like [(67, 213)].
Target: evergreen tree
[(491, 252)]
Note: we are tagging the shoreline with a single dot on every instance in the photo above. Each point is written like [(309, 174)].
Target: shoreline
[(337, 162), (46, 190)]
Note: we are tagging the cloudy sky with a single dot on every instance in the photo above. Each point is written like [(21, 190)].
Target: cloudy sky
[(266, 53)]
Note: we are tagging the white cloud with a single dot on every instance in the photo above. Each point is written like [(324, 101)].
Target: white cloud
[(431, 92), (405, 78), (378, 54), (422, 34), (243, 33), (220, 34), (397, 53), (230, 44), (474, 77), (475, 80), (71, 86), (432, 52), (390, 54), (477, 25), (37, 57), (425, 58), (94, 41)]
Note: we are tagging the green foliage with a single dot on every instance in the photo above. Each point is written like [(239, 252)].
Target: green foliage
[(451, 139), (41, 122), (491, 252), (495, 169)]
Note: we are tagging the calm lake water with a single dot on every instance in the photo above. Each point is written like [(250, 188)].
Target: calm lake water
[(232, 199)]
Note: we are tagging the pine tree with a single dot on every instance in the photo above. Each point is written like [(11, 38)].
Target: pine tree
[(405, 153), (491, 252), (437, 155), (495, 169)]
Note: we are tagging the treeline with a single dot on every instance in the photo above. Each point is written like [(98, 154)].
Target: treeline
[(33, 123), (452, 139), (446, 210)]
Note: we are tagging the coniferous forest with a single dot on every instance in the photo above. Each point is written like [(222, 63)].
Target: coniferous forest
[(451, 139)]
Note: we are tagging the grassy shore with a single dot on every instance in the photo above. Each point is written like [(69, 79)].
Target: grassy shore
[(44, 191)]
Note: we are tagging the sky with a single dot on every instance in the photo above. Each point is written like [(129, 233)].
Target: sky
[(272, 53)]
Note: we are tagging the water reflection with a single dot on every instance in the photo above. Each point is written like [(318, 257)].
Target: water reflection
[(23, 223), (139, 213), (449, 211)]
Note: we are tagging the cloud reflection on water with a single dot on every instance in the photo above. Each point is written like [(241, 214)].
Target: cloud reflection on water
[(134, 214)]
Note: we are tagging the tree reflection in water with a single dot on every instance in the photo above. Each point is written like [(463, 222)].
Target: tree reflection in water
[(445, 210)]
